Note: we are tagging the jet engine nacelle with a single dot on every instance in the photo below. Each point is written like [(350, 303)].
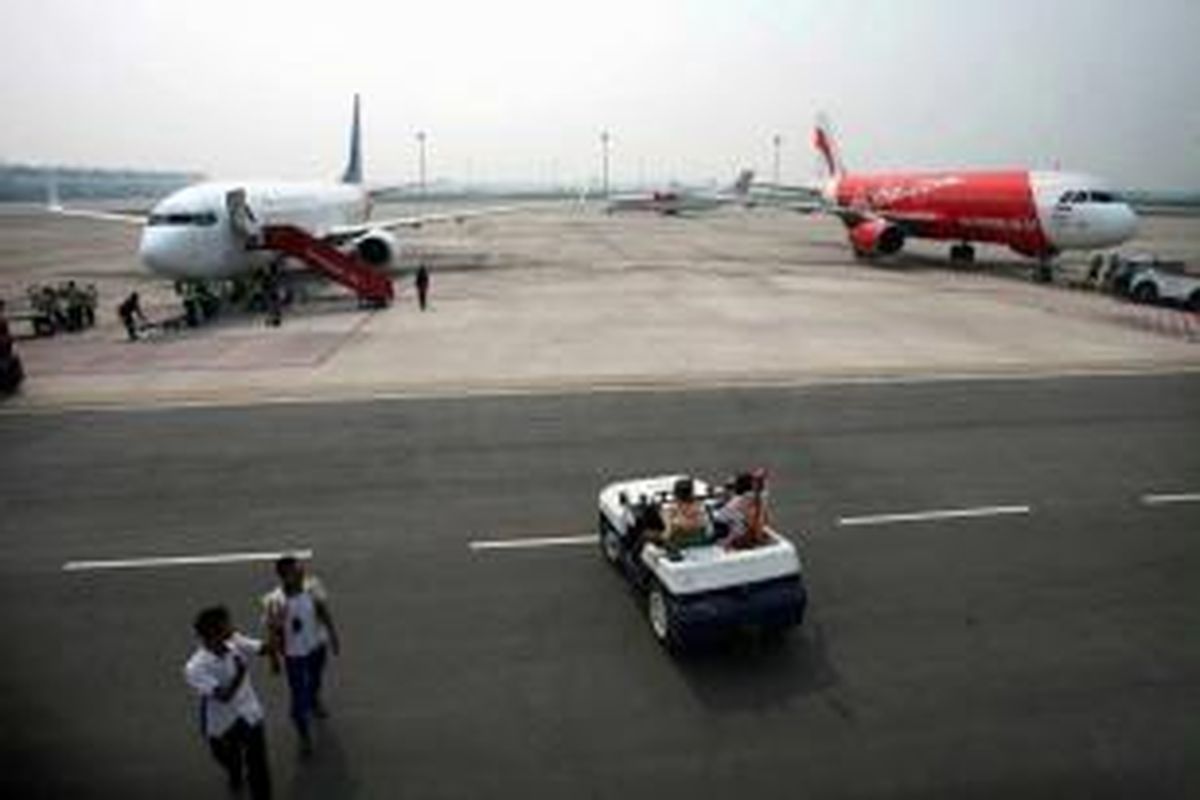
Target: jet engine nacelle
[(376, 247), (876, 237)]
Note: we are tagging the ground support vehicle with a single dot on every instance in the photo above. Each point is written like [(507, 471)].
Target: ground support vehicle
[(698, 593), (1157, 284)]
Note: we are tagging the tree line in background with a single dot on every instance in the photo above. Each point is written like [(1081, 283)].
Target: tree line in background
[(25, 183)]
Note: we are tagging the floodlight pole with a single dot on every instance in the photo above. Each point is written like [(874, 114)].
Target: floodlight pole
[(421, 164), (776, 142), (604, 140)]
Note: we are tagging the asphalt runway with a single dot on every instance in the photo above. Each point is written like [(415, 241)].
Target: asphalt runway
[(1048, 650)]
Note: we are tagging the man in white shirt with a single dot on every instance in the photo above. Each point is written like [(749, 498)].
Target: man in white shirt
[(300, 629), (230, 713)]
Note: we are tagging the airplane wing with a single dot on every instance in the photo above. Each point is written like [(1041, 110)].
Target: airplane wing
[(55, 206), (101, 216), (420, 220), (912, 221)]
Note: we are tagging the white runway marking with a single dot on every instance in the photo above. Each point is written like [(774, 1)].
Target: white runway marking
[(182, 561), (1164, 499), (924, 516), (528, 544)]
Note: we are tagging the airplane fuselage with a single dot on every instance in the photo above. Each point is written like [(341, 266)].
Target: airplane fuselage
[(192, 233), (1037, 214), (666, 203)]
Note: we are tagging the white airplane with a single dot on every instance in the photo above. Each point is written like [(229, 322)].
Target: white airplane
[(216, 230), (672, 202)]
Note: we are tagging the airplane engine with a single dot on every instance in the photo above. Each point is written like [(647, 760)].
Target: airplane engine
[(874, 237), (376, 247)]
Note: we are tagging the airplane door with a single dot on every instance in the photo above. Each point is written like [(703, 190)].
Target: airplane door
[(241, 218)]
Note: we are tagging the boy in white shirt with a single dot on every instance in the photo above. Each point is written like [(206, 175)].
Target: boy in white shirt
[(231, 715), (300, 629)]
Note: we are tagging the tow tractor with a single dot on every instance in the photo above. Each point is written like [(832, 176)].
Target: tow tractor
[(699, 592)]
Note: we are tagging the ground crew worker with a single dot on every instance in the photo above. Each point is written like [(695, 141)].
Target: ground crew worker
[(50, 306), (75, 303), (11, 370), (129, 309), (300, 631), (230, 713), (5, 335), (90, 298), (422, 286)]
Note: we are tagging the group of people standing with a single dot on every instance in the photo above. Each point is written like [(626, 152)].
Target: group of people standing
[(67, 307), (298, 636)]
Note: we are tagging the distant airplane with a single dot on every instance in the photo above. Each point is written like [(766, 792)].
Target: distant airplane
[(217, 230), (1036, 214), (673, 202)]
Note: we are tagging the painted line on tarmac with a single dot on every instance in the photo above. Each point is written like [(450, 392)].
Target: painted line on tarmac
[(934, 515), (182, 561), (1168, 499), (533, 543)]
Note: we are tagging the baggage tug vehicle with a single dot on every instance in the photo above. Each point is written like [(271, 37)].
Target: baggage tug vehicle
[(699, 592)]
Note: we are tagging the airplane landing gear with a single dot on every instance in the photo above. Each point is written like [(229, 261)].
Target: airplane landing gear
[(1043, 272), (201, 301), (962, 254)]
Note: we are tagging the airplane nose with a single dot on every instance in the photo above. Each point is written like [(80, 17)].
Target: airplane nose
[(152, 250), (1128, 223), (158, 252)]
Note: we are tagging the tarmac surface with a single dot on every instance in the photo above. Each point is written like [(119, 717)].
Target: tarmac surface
[(1002, 568), (566, 298), (1044, 652)]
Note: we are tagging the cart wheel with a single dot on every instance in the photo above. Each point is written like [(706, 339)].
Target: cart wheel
[(662, 617), (610, 542)]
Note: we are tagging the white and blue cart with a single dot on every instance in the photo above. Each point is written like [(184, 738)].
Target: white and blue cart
[(699, 592)]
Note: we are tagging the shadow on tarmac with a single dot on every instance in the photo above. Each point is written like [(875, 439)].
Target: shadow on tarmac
[(327, 772), (755, 671)]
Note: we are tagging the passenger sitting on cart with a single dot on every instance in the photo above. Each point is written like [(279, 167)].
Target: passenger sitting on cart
[(741, 521), (684, 518)]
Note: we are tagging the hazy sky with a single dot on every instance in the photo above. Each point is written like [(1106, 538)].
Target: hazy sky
[(520, 89)]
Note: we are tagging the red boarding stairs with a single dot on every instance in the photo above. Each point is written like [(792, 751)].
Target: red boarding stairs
[(371, 285)]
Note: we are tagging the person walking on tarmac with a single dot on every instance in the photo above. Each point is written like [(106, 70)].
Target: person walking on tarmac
[(11, 370), (422, 286), (130, 309), (300, 630), (231, 715)]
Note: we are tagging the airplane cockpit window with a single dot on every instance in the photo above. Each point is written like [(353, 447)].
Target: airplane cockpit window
[(1074, 197), (200, 218)]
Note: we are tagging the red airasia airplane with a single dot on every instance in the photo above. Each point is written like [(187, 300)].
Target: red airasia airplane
[(1037, 214)]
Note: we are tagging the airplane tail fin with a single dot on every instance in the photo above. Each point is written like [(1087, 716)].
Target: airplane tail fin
[(353, 173), (826, 145)]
